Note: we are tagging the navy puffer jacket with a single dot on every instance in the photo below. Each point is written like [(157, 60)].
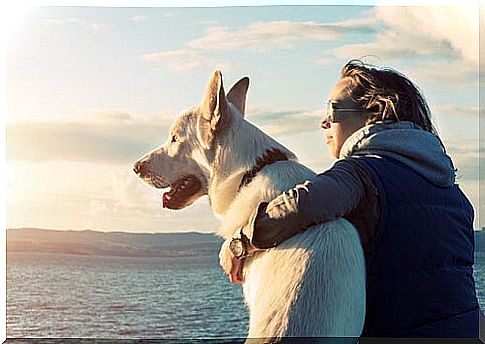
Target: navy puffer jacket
[(396, 183)]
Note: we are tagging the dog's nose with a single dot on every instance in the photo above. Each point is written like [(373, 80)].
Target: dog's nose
[(140, 167)]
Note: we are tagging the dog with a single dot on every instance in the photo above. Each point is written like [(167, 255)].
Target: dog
[(311, 285)]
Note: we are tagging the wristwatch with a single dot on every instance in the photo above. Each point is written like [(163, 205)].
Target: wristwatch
[(239, 245)]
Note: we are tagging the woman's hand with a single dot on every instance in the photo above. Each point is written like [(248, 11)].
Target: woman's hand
[(231, 265)]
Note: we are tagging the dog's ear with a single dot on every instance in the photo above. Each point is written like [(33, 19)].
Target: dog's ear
[(214, 106), (214, 102), (237, 94)]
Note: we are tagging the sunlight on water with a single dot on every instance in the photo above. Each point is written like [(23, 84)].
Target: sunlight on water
[(51, 295), (91, 296), (479, 275)]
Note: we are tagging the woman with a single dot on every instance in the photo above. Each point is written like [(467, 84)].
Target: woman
[(395, 183)]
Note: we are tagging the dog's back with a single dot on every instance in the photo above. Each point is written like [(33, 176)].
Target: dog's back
[(311, 285)]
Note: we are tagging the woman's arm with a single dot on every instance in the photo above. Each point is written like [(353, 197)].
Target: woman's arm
[(334, 193)]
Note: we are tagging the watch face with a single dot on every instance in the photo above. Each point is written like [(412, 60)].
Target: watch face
[(237, 247)]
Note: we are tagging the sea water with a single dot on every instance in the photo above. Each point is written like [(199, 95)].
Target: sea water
[(58, 295)]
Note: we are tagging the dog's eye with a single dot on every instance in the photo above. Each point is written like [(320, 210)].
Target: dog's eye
[(174, 138)]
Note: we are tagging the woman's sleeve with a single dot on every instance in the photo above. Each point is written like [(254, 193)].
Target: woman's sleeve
[(331, 194)]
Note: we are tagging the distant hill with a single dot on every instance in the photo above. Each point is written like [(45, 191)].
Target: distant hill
[(88, 242)]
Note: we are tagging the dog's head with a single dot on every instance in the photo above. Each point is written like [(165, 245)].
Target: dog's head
[(184, 162)]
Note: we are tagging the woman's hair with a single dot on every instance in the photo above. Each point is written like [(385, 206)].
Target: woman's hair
[(387, 94)]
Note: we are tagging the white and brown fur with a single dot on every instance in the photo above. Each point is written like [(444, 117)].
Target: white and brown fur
[(311, 285)]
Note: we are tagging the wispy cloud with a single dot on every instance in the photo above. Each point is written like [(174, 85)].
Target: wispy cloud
[(81, 195), (183, 60), (96, 26), (265, 36), (445, 31), (258, 36), (119, 136), (464, 150), (454, 72), (207, 22), (139, 18), (446, 36), (285, 122), (459, 111), (108, 137), (397, 33), (324, 61), (396, 45)]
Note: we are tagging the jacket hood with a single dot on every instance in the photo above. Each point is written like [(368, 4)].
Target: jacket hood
[(407, 143)]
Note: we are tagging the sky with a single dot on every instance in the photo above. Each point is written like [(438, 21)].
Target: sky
[(89, 90)]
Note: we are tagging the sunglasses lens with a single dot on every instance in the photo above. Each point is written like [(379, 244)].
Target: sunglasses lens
[(327, 114)]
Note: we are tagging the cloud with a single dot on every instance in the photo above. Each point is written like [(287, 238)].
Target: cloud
[(97, 207), (464, 151), (109, 136), (445, 31), (183, 60), (86, 195), (106, 137), (457, 26), (207, 22), (264, 36), (178, 60), (139, 18), (285, 122), (259, 36), (396, 45), (96, 26), (446, 36), (324, 61), (460, 111), (457, 72), (448, 32)]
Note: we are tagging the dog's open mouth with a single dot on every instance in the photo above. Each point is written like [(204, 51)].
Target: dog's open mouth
[(181, 192)]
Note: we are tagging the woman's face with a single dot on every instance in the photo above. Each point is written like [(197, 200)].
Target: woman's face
[(347, 117)]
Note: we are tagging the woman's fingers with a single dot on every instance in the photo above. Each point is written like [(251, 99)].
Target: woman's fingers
[(233, 267), (236, 275), (225, 258)]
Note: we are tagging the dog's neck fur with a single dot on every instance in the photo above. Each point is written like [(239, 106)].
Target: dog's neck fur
[(236, 153), (269, 157)]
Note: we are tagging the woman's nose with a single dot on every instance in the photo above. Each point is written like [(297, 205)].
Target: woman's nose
[(325, 124)]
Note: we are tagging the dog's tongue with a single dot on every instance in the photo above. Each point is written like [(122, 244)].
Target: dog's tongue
[(164, 200)]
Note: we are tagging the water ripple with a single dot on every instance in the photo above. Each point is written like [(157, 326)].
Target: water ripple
[(51, 295), (113, 297)]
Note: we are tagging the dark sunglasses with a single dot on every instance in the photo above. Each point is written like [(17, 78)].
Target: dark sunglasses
[(329, 113)]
